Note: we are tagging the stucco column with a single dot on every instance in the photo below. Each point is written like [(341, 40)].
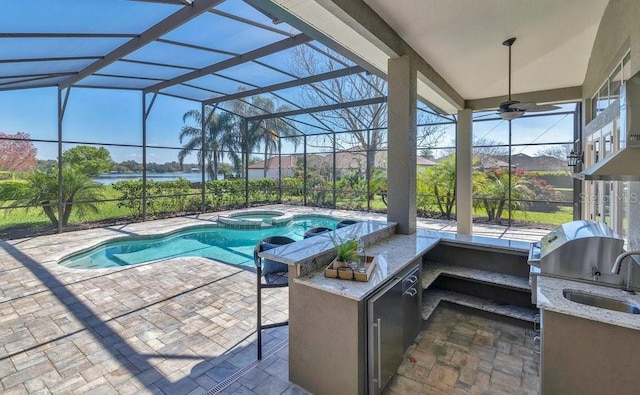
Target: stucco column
[(464, 185), (402, 157)]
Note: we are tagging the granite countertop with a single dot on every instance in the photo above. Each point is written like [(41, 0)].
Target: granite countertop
[(482, 241), (393, 255), (550, 298), (307, 249)]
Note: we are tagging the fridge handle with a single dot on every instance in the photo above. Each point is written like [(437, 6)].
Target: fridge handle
[(379, 355), (411, 292)]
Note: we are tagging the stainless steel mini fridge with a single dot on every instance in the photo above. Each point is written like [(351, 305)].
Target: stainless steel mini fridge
[(394, 320)]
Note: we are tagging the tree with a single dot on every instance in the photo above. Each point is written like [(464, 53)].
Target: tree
[(265, 133), (77, 186), (366, 125), (559, 152), (493, 192), (91, 161), (226, 170), (437, 184), (426, 153), (129, 166), (219, 137), (268, 132), (17, 152), (483, 146), (45, 164)]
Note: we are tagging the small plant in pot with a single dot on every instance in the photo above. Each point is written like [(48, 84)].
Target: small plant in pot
[(346, 251)]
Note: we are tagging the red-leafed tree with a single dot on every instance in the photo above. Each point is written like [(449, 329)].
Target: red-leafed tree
[(17, 152)]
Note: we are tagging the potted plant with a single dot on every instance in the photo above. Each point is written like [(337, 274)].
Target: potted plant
[(346, 251)]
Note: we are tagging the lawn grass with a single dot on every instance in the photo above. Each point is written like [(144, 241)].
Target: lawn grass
[(564, 214), (107, 210)]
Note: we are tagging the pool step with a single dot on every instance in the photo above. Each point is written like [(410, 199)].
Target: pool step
[(148, 255)]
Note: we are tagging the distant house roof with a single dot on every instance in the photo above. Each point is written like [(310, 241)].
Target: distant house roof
[(535, 163), (484, 161), (288, 162), (352, 158), (425, 162), (491, 162)]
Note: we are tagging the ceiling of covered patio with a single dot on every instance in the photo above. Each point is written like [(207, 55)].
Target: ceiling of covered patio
[(459, 42)]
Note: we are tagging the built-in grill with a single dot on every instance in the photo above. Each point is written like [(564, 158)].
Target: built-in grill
[(579, 250)]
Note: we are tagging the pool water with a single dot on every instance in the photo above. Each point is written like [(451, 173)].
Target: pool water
[(226, 245)]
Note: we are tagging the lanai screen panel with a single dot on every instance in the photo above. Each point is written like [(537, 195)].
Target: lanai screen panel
[(167, 47), (41, 38)]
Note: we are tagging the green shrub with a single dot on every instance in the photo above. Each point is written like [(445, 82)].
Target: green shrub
[(13, 189)]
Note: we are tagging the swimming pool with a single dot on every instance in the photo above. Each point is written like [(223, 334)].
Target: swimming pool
[(226, 245)]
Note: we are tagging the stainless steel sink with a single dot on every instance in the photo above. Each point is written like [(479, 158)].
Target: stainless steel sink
[(601, 301)]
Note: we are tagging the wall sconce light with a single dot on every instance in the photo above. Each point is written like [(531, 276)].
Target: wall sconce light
[(573, 158)]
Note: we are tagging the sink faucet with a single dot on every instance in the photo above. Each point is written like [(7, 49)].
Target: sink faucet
[(618, 264)]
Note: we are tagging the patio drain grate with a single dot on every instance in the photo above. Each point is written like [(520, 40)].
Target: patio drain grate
[(231, 379)]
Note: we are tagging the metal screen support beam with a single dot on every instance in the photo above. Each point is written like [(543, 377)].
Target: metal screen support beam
[(145, 114), (279, 171), (62, 106), (178, 18), (304, 171), (245, 145), (203, 144), (146, 110), (329, 107), (335, 197), (232, 62), (289, 84), (368, 170), (283, 15), (578, 147), (510, 179)]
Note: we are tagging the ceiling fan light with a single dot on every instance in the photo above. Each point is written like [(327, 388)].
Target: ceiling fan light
[(510, 115)]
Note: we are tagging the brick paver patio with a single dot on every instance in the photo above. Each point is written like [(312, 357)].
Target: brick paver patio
[(180, 326), (464, 352)]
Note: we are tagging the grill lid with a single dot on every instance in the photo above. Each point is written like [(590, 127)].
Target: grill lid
[(574, 230)]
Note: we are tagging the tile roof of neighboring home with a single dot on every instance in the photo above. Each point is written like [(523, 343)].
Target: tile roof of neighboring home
[(288, 162), (352, 158), (491, 162), (485, 161), (533, 163), (425, 162)]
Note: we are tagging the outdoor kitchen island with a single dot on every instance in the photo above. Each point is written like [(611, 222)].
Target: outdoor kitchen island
[(330, 339)]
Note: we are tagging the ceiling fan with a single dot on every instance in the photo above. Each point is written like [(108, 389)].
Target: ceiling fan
[(512, 109)]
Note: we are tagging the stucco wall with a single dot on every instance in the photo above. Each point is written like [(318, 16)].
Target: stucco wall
[(271, 173), (619, 30)]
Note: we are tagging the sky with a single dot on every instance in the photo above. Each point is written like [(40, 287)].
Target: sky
[(115, 116)]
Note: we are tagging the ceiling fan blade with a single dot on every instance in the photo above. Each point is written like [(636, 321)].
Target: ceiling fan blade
[(542, 108), (511, 115), (493, 114), (532, 107)]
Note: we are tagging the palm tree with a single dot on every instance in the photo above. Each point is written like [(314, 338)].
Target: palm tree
[(219, 136), (78, 191), (266, 133)]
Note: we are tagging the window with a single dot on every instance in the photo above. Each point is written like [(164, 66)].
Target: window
[(609, 92)]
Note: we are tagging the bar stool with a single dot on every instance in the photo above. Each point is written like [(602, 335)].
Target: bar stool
[(275, 275), (316, 231), (346, 222)]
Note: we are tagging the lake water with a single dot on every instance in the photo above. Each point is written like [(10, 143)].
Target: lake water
[(112, 178)]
